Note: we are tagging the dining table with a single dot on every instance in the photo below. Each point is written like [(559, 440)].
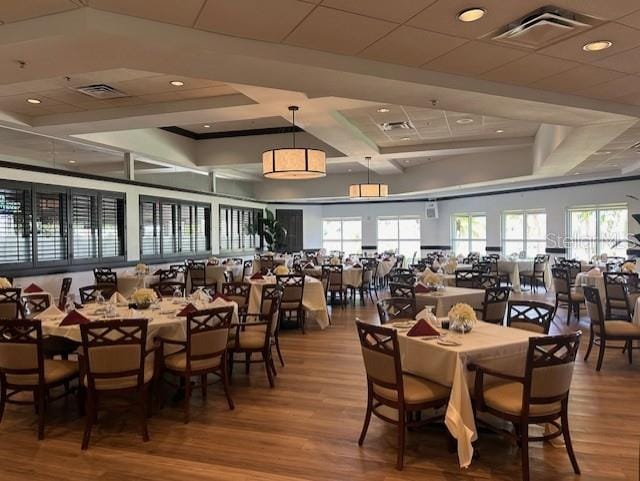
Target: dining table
[(216, 274), (128, 282), (314, 300), (351, 275), (592, 278), (443, 300), (497, 347)]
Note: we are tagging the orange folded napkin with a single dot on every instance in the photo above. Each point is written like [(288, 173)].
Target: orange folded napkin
[(422, 328), (186, 310), (32, 288), (421, 288), (73, 318), (217, 295), (257, 276)]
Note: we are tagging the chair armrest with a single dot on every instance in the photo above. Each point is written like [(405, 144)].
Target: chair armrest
[(480, 371)]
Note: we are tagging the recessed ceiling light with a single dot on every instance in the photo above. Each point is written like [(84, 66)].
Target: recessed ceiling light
[(383, 110), (597, 46), (464, 121), (177, 83), (471, 14), (499, 131), (34, 101), (207, 126), (405, 138), (72, 161)]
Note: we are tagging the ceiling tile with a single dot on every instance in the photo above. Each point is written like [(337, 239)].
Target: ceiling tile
[(623, 38), (474, 58), (178, 12), (161, 83), (628, 61), (411, 46), (16, 10), (603, 9), (632, 20), (339, 32), (442, 16), (526, 70), (250, 18), (189, 94), (615, 88), (577, 79), (395, 11)]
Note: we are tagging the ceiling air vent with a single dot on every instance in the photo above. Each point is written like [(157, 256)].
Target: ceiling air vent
[(542, 27), (101, 91), (405, 125)]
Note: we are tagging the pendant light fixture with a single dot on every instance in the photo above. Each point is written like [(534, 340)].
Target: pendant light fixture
[(294, 163), (369, 190)]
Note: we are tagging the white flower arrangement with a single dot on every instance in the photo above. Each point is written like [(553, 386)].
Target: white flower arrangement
[(431, 278), (214, 261), (4, 283), (281, 270), (462, 317), (629, 267), (450, 267), (144, 296), (141, 268)]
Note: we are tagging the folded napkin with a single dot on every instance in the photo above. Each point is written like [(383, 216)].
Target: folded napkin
[(435, 265), (421, 288), (422, 328), (218, 296), (595, 272), (118, 298), (257, 276), (186, 310), (51, 311), (200, 296), (32, 289), (73, 318)]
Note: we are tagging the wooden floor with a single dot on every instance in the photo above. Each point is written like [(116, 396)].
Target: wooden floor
[(306, 429)]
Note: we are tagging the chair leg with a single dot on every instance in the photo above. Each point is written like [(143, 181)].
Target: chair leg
[(588, 353), (401, 434), (367, 420), (524, 451), (278, 350), (88, 420), (41, 409), (203, 386), (247, 363), (600, 353), (265, 358), (225, 385), (187, 399), (629, 351), (143, 395), (567, 437), (3, 397)]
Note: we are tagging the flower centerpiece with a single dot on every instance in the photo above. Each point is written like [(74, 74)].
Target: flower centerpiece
[(431, 278), (281, 270), (450, 266), (335, 261), (141, 269), (213, 261), (462, 317), (4, 283), (143, 298), (629, 267)]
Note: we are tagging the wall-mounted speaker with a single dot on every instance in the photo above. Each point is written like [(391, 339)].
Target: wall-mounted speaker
[(431, 210)]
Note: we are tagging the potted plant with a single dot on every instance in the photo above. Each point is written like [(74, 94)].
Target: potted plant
[(273, 232)]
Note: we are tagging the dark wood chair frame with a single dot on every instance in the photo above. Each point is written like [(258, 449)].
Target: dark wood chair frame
[(495, 295), (292, 293), (531, 312), (564, 274), (90, 293), (400, 289), (617, 286), (64, 292), (12, 295), (35, 303), (332, 288), (393, 308), (167, 288)]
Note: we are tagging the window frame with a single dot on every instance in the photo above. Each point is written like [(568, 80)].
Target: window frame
[(342, 239), (399, 237), (234, 231), (597, 208), (470, 239), (524, 239)]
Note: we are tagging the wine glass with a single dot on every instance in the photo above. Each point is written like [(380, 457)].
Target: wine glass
[(100, 299), (70, 304)]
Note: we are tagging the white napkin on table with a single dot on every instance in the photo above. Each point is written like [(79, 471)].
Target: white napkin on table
[(51, 311), (201, 296), (220, 302), (118, 298)]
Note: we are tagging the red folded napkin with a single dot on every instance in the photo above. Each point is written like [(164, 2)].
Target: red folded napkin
[(421, 288), (73, 318), (32, 288), (188, 309), (257, 276), (217, 295), (422, 328)]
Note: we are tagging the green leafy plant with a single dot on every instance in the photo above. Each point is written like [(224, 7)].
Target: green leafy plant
[(273, 232)]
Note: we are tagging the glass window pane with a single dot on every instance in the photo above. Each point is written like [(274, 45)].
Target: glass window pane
[(583, 250), (352, 247), (537, 225), (461, 247), (387, 229), (513, 248), (352, 229), (513, 226), (461, 227), (409, 228), (479, 227), (583, 224), (606, 247), (331, 229), (387, 245), (331, 246), (613, 224), (479, 246), (409, 248), (535, 247)]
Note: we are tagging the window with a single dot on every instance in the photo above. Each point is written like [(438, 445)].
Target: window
[(169, 228), (595, 230), (524, 231), (344, 235), (399, 234), (239, 229), (47, 226), (469, 233)]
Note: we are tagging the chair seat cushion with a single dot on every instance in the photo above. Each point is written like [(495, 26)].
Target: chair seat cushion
[(250, 338), (417, 390), (617, 304), (507, 398), (619, 328), (54, 371), (125, 382), (178, 362)]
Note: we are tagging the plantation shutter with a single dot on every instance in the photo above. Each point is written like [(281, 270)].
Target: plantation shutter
[(15, 225)]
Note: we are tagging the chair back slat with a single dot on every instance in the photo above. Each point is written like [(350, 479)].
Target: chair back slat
[(396, 308), (380, 353), (10, 304), (21, 358), (208, 333), (530, 315), (495, 304)]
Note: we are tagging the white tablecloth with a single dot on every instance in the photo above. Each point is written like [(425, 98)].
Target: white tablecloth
[(498, 347), (514, 268), (583, 279), (444, 300), (128, 283), (350, 276), (313, 299), (384, 267)]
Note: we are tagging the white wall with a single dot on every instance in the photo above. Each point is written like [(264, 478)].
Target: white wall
[(555, 201)]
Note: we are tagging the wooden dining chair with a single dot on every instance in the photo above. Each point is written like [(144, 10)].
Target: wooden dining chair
[(621, 294), (603, 330), (333, 283), (270, 293), (256, 336), (104, 276), (168, 288), (167, 275), (467, 278), (10, 304), (540, 396), (566, 294), (204, 352), (393, 308), (537, 276), (89, 294), (115, 360), (494, 306), (64, 292), (197, 273), (33, 304), (389, 387), (291, 308), (531, 316), (247, 268), (238, 292), (400, 289), (23, 368)]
